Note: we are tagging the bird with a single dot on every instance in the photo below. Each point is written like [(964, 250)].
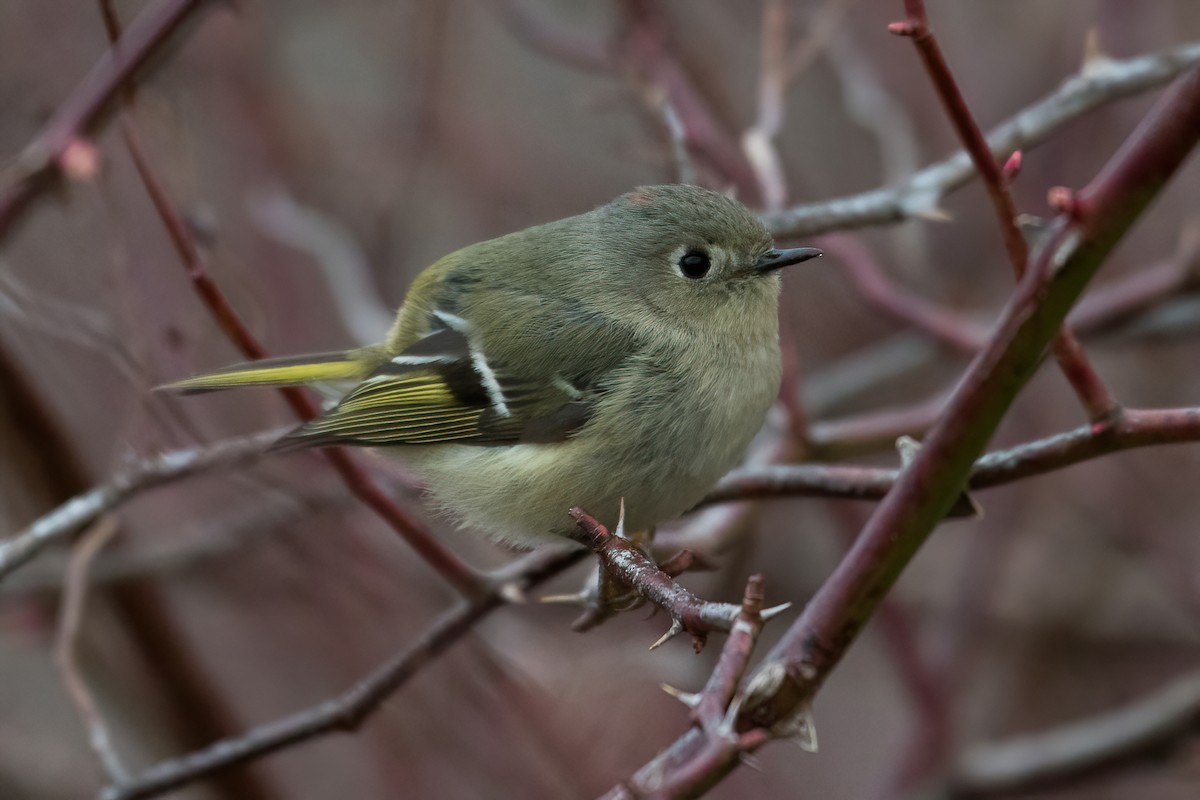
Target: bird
[(622, 357)]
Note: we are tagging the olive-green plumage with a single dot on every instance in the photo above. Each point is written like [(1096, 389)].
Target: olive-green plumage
[(628, 352)]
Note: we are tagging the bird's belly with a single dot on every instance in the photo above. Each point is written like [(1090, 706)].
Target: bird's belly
[(660, 460)]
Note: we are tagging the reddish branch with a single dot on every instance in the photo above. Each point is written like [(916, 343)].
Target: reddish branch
[(715, 708), (644, 54), (86, 109), (928, 487), (948, 327), (1072, 360)]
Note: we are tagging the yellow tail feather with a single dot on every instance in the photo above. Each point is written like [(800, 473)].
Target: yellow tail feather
[(293, 371)]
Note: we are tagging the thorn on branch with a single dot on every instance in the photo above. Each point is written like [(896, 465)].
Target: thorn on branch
[(626, 564)]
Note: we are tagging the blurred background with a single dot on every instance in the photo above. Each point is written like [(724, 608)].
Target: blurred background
[(326, 150)]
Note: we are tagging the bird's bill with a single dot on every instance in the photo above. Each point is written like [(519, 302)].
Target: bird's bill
[(778, 259)]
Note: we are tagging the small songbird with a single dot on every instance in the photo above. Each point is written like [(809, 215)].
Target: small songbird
[(627, 353)]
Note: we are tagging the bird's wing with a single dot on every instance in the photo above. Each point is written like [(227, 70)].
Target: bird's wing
[(443, 388)]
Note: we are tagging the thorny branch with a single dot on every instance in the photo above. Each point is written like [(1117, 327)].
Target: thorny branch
[(927, 488), (636, 570)]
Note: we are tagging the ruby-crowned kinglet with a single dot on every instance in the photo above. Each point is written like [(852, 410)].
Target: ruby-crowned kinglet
[(630, 352)]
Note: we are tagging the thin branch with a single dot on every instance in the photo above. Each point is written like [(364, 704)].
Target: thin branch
[(1071, 358), (86, 109), (873, 431), (347, 711), (150, 473), (1140, 729), (66, 647), (1102, 82), (1134, 428), (546, 35), (644, 58), (946, 326)]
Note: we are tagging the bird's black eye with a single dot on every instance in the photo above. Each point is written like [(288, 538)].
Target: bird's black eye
[(695, 264)]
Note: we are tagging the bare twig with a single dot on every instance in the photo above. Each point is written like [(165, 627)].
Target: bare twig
[(644, 57), (1132, 429), (946, 326), (335, 251), (66, 647), (551, 38), (779, 66), (147, 474), (714, 709), (347, 711), (1090, 389), (1143, 728), (84, 111), (1101, 83)]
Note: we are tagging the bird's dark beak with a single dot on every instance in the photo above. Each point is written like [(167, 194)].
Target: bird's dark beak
[(778, 259)]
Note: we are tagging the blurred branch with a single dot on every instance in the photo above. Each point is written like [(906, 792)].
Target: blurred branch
[(146, 474), (928, 487), (1092, 392), (543, 34), (874, 430), (335, 252), (1142, 729), (644, 58), (347, 711), (946, 326), (220, 534), (1101, 82), (86, 109), (779, 66), (66, 646), (1115, 302)]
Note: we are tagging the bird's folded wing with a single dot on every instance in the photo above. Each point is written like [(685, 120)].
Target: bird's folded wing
[(443, 389)]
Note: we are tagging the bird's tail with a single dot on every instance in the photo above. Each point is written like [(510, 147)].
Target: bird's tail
[(288, 371)]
